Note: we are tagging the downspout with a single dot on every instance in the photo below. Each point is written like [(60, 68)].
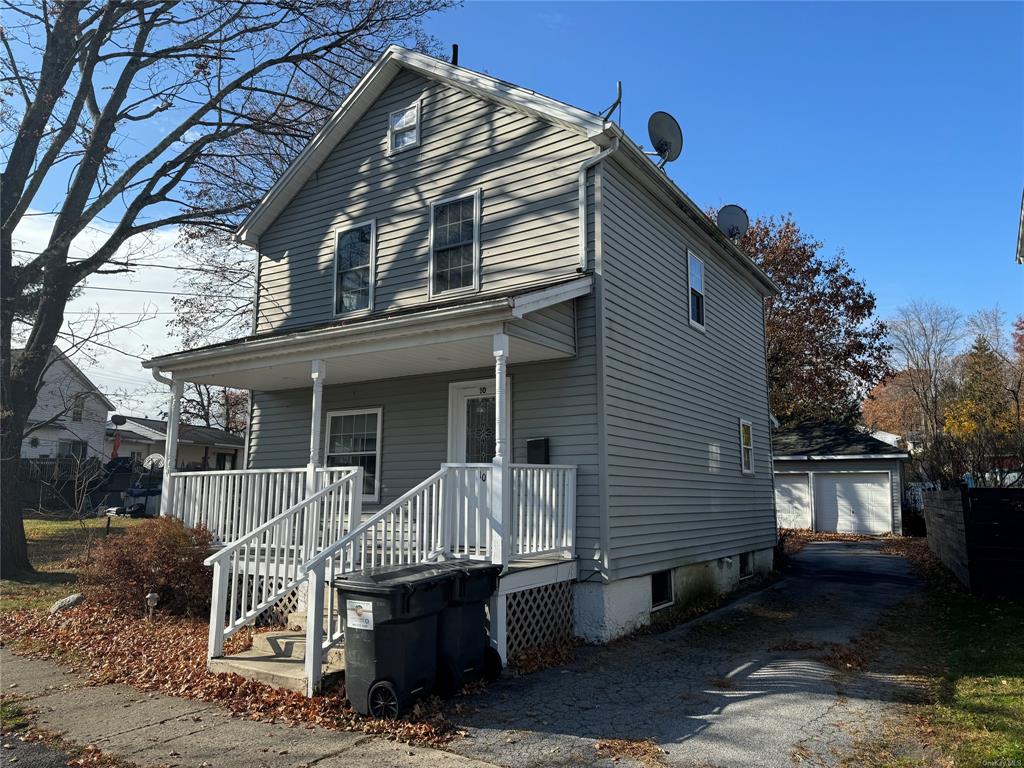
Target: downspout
[(160, 377), (587, 164)]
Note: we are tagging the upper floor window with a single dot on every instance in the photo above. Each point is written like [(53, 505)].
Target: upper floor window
[(353, 267), (77, 409), (746, 447), (455, 245), (696, 274), (404, 128)]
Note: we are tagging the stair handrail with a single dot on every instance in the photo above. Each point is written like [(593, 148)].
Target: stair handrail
[(292, 510), (315, 570)]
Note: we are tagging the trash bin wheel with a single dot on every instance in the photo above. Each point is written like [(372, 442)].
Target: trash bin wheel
[(492, 665), (383, 700)]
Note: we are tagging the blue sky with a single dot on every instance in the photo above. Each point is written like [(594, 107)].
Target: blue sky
[(892, 131)]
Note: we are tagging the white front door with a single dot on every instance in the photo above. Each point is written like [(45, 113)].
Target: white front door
[(471, 421)]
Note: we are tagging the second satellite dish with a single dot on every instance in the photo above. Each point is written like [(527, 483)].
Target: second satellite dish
[(733, 221), (666, 136)]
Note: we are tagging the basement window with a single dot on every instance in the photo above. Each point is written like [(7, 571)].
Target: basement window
[(746, 565), (661, 590)]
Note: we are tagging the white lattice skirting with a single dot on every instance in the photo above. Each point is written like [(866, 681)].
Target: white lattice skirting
[(539, 617), (292, 601)]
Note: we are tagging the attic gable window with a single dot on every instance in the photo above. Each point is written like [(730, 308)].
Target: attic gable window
[(696, 280), (353, 267), (455, 245), (404, 128)]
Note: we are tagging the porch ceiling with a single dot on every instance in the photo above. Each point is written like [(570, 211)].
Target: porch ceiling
[(422, 343)]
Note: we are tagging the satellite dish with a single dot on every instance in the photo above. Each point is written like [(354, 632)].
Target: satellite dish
[(666, 136), (118, 420), (733, 221), (153, 461)]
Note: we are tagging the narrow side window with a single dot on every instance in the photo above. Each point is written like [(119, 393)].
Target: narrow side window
[(746, 447), (353, 267), (696, 279), (455, 245), (404, 128)]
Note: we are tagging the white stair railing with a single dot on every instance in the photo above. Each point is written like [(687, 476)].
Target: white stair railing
[(411, 529), (263, 565), (231, 503)]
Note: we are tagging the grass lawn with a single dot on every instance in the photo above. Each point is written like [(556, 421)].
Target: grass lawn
[(981, 704), (56, 549)]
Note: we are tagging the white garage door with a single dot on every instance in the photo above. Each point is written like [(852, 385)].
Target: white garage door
[(793, 500), (853, 502)]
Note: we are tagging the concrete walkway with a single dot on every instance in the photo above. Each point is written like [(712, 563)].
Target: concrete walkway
[(743, 686), (156, 730)]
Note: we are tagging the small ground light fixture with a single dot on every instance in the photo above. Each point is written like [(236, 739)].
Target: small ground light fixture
[(151, 600)]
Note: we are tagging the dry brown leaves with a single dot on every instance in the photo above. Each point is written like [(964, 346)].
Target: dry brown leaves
[(645, 752), (795, 539), (169, 655), (544, 657)]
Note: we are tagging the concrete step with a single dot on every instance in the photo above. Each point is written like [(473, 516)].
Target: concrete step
[(278, 659)]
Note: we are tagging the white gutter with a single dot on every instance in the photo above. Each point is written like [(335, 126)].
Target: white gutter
[(585, 166)]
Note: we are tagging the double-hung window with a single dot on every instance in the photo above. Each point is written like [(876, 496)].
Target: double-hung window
[(455, 245), (404, 128), (78, 409), (746, 447), (696, 280), (353, 268), (353, 440)]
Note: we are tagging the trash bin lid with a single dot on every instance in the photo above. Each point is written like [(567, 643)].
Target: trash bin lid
[(389, 579)]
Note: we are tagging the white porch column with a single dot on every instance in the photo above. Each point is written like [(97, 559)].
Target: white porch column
[(500, 497), (317, 373), (171, 448)]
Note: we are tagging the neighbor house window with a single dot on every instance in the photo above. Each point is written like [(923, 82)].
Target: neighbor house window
[(747, 447), (353, 440), (354, 264), (696, 290), (404, 128), (455, 245), (77, 409), (72, 449), (661, 590)]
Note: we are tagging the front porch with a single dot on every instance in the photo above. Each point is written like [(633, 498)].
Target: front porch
[(296, 528)]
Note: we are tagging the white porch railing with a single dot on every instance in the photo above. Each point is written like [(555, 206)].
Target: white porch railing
[(231, 503), (263, 565), (543, 509)]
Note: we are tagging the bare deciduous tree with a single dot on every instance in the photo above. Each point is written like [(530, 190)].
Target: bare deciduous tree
[(148, 113)]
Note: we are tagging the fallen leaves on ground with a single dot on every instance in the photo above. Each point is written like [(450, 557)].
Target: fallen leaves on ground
[(643, 751), (169, 655), (535, 659)]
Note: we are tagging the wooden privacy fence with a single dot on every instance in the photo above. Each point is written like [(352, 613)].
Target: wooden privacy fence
[(978, 533)]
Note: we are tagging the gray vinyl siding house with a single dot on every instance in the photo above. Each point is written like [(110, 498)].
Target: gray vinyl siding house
[(646, 406)]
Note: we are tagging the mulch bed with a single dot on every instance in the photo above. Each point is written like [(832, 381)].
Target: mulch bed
[(169, 655)]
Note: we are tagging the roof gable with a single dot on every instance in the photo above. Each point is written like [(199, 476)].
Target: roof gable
[(365, 94)]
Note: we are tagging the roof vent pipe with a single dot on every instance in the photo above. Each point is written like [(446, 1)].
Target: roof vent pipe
[(455, 54)]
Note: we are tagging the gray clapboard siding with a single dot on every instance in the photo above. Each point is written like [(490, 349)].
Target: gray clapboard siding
[(554, 399), (893, 466), (525, 168), (673, 395), (554, 326)]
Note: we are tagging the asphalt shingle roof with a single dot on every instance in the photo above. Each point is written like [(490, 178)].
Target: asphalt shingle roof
[(191, 433), (829, 440)]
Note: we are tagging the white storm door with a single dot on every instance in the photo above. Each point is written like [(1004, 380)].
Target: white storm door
[(471, 425)]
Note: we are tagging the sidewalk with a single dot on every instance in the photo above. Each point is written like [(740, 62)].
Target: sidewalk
[(155, 730)]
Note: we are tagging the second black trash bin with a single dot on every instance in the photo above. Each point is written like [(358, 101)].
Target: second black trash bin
[(391, 616), (464, 652)]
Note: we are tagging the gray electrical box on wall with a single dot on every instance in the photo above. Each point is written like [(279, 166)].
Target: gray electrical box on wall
[(537, 451)]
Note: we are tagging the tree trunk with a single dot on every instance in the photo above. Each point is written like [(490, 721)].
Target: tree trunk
[(13, 547)]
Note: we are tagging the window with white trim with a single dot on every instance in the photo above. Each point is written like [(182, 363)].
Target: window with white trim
[(353, 440), (455, 245), (696, 280), (746, 447), (404, 128), (353, 266), (78, 409)]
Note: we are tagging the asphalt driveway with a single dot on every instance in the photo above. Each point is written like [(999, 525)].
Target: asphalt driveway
[(760, 682)]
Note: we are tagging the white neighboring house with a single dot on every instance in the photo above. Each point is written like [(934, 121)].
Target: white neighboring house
[(70, 416)]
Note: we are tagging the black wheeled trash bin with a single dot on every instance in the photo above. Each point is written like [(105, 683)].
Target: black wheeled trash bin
[(391, 634), (464, 650)]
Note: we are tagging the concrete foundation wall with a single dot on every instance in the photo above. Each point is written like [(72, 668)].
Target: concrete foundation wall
[(607, 610)]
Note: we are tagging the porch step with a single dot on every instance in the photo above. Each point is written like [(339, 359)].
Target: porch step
[(278, 659)]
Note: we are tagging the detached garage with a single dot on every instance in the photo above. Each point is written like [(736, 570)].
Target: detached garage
[(835, 478)]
